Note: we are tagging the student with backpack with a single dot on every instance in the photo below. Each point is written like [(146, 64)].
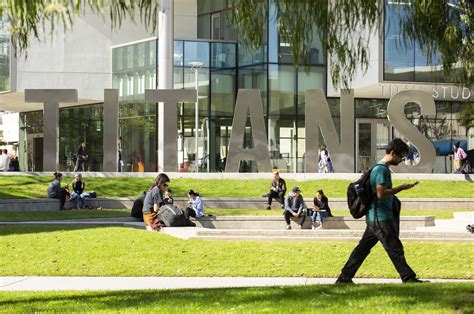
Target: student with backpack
[(154, 200), (382, 222)]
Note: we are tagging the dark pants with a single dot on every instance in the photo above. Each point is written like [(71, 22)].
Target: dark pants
[(62, 197), (190, 212), (288, 216), (387, 233), (279, 196)]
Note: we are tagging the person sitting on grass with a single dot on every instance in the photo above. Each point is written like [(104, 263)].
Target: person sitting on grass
[(196, 206), (56, 191), (277, 190), (168, 199), (321, 209), (78, 186), (294, 207), (153, 201)]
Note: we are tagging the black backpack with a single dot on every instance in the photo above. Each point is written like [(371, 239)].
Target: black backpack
[(359, 195), (171, 216), (137, 208)]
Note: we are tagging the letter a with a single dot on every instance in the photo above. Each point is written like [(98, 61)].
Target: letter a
[(248, 102)]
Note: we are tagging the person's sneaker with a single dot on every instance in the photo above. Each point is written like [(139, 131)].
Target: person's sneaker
[(301, 226), (319, 227), (341, 280), (269, 207), (415, 280), (265, 195), (313, 227), (288, 227)]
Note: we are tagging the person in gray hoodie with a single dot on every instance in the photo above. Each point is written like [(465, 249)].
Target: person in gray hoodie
[(56, 191)]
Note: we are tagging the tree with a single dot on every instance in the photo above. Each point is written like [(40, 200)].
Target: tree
[(29, 19), (443, 26)]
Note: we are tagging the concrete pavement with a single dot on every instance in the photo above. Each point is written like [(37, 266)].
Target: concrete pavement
[(163, 283)]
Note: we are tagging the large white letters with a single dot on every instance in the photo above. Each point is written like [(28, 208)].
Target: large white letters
[(396, 116)]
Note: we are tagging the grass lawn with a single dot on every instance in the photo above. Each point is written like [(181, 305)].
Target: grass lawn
[(115, 251), (425, 298), (111, 213), (64, 214), (35, 187)]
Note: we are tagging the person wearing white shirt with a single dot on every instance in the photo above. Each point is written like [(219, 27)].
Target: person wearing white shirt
[(4, 161), (196, 206)]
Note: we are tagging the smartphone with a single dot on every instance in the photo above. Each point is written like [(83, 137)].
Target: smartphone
[(416, 183)]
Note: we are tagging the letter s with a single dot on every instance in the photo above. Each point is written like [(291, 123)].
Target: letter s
[(396, 116)]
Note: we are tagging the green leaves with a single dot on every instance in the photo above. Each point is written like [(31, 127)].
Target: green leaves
[(30, 18)]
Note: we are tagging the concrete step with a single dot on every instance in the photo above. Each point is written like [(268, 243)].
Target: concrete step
[(278, 222), (320, 234), (45, 204), (467, 217)]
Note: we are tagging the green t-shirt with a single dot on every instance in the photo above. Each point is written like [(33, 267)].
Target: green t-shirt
[(381, 175)]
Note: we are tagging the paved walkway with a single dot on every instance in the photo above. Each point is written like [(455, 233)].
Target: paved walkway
[(138, 283)]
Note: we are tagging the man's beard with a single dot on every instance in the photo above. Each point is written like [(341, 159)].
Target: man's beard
[(396, 163)]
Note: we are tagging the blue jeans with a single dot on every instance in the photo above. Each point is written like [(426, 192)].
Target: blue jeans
[(319, 214), (80, 199)]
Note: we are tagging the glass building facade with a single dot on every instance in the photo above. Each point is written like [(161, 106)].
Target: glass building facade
[(4, 56), (227, 66)]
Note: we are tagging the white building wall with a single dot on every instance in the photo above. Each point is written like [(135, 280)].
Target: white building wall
[(82, 58), (373, 74)]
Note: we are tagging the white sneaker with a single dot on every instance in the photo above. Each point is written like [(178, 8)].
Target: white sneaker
[(288, 227), (313, 227), (319, 227)]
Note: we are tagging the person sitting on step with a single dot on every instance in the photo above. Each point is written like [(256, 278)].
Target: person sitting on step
[(294, 207), (321, 209), (277, 190)]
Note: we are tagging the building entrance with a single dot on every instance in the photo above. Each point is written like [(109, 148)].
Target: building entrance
[(372, 136)]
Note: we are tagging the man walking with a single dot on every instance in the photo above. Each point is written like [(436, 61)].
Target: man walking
[(382, 224)]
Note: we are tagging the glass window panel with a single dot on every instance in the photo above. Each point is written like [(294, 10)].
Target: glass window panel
[(282, 90), (178, 53), (196, 51), (371, 108), (140, 55), (255, 78), (204, 26), (217, 5), (190, 83), (203, 6), (314, 79), (223, 55), (223, 92), (4, 56), (399, 56)]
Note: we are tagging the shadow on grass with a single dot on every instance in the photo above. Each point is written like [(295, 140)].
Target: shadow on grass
[(27, 229), (425, 297)]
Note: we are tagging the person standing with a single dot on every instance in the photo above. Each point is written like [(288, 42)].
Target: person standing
[(4, 160), (82, 157), (460, 157), (119, 154), (277, 190), (325, 162), (382, 223), (294, 207)]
